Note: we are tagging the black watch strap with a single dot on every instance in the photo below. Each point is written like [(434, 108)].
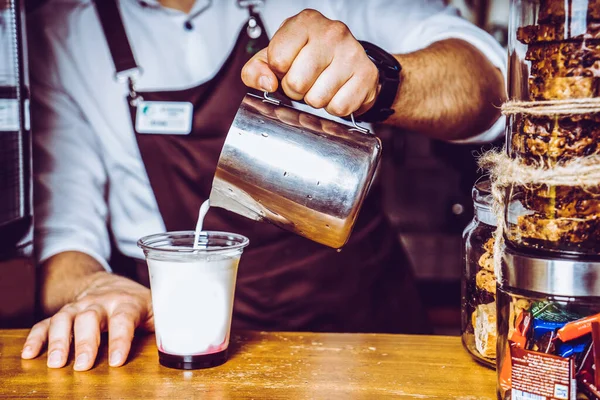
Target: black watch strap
[(389, 81)]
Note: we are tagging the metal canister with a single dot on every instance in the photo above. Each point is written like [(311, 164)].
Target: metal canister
[(303, 173), (547, 309)]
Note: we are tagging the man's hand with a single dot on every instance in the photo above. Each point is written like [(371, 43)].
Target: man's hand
[(318, 61), (106, 302), (449, 90)]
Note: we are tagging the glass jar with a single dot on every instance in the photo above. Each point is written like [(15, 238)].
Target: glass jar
[(554, 54), (478, 313), (547, 310)]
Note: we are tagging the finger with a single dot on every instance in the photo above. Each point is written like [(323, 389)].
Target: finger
[(287, 42), (36, 339), (258, 75), (306, 68), (121, 328), (59, 337), (87, 327), (328, 84), (349, 98), (368, 101)]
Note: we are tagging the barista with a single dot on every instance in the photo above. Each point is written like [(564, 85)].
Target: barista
[(101, 175)]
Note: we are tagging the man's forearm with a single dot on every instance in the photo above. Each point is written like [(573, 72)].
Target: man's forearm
[(449, 90), (63, 277)]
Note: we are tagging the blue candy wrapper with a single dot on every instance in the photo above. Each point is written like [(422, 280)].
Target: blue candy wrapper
[(540, 327), (571, 348)]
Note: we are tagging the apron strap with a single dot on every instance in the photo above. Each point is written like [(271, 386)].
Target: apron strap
[(116, 37)]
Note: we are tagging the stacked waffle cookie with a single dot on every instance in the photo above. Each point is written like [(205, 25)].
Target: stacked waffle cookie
[(553, 140), (563, 50)]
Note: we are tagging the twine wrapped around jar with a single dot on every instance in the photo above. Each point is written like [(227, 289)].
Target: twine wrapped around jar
[(504, 171), (550, 108)]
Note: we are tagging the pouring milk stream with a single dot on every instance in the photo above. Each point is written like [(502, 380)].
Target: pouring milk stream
[(201, 214)]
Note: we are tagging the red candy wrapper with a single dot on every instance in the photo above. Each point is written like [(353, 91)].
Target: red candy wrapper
[(596, 350), (577, 329), (536, 375), (517, 339), (522, 327), (588, 374)]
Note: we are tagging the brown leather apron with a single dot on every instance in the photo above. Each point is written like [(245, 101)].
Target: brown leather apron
[(285, 282)]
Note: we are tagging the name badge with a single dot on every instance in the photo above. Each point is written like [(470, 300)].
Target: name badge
[(164, 117)]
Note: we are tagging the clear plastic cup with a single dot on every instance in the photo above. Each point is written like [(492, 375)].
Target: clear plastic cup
[(192, 295)]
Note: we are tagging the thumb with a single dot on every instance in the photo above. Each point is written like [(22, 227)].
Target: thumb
[(257, 74)]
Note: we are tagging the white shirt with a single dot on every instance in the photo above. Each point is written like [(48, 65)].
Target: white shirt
[(89, 172)]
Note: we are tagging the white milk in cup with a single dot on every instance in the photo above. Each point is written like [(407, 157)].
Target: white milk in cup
[(192, 280)]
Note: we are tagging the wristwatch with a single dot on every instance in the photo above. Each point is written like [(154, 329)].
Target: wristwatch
[(389, 79)]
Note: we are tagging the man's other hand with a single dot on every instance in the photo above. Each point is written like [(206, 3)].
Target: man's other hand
[(108, 303)]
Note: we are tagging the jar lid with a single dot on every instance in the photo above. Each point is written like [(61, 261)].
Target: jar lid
[(482, 193), (551, 276)]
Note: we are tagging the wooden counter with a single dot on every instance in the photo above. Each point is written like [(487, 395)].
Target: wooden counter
[(265, 366)]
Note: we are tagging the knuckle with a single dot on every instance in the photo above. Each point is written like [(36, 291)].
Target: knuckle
[(315, 100), (287, 21), (367, 79), (296, 84), (120, 340), (85, 346), (88, 314), (372, 71), (245, 73), (337, 30), (338, 108), (121, 335), (279, 63), (40, 326), (309, 13), (123, 317), (59, 317), (357, 52), (57, 344), (69, 308), (83, 303), (121, 298), (33, 339)]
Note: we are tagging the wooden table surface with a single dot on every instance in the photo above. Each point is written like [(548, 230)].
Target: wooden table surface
[(265, 366)]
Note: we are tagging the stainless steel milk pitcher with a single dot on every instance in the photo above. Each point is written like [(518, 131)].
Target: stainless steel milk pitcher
[(303, 173)]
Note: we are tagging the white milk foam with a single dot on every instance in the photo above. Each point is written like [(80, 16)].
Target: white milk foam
[(201, 214)]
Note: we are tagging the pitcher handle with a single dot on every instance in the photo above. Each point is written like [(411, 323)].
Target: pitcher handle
[(276, 102)]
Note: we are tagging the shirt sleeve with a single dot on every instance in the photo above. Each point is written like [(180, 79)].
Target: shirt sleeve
[(405, 26), (69, 175)]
